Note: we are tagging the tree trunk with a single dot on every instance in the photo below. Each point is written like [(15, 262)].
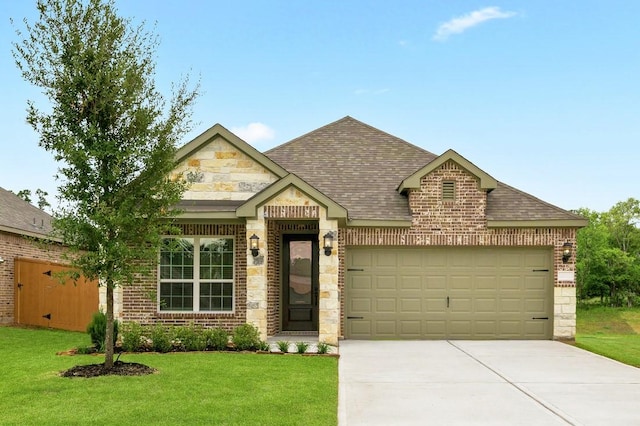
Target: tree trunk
[(108, 344)]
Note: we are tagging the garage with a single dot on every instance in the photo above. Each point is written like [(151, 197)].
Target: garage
[(449, 293)]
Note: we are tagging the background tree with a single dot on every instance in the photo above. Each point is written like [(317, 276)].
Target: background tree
[(111, 130), (608, 257), (42, 195)]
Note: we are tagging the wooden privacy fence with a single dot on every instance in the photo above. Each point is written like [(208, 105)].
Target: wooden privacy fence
[(42, 299)]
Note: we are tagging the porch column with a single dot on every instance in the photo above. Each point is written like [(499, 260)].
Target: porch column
[(257, 275), (329, 303)]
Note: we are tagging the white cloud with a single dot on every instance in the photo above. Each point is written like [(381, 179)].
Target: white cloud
[(254, 132), (463, 23)]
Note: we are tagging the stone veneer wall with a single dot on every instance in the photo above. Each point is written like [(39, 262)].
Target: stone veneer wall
[(219, 171), (14, 246), (140, 300)]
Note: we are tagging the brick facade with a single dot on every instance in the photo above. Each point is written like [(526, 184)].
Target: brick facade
[(459, 221), (140, 302), (14, 246)]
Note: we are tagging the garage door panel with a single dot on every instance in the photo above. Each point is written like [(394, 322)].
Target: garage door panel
[(386, 328), (510, 306), (411, 305), (486, 305), (386, 282), (361, 282), (360, 305), (461, 282), (435, 283), (510, 282), (486, 282), (459, 304), (410, 282), (386, 305), (454, 293), (535, 305)]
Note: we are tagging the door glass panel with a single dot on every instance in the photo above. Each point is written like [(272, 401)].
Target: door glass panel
[(300, 272)]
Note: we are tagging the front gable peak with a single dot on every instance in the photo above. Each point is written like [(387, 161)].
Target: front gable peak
[(218, 130), (487, 182)]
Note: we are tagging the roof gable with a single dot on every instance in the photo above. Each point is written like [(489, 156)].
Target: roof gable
[(250, 208), (413, 181), (218, 130)]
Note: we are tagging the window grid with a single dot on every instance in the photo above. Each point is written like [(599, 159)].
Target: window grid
[(196, 274)]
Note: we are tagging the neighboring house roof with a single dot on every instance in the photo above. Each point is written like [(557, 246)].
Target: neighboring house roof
[(19, 217), (356, 165)]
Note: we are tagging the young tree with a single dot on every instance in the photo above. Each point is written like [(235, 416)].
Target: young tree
[(111, 130)]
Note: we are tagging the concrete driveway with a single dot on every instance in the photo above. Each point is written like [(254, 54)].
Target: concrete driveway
[(483, 383)]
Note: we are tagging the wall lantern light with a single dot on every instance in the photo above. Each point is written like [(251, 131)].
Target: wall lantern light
[(1, 260), (566, 252), (253, 245), (328, 243)]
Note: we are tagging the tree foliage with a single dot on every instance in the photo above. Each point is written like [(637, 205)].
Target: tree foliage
[(608, 257), (112, 132)]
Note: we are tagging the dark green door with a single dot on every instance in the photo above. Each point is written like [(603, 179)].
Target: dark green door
[(300, 281)]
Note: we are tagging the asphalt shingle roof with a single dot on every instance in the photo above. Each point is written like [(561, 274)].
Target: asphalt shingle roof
[(20, 217), (360, 167), (356, 165)]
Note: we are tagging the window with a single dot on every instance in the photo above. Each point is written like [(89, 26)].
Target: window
[(448, 191), (196, 274)]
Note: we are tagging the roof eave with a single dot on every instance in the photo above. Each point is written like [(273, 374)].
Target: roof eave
[(30, 234), (250, 208), (541, 223)]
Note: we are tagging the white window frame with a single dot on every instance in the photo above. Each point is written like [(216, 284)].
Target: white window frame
[(196, 276)]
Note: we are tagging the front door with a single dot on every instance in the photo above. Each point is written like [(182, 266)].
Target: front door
[(300, 281)]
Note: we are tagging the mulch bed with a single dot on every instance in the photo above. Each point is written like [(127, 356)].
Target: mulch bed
[(119, 369)]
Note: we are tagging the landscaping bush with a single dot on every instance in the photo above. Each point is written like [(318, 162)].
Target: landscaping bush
[(160, 341), (323, 348), (302, 347), (132, 337), (217, 338), (190, 338), (246, 337), (283, 345), (97, 330)]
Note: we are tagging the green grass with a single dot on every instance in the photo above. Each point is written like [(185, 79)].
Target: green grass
[(189, 388), (612, 332)]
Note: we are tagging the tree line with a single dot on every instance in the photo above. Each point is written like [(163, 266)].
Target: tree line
[(608, 255)]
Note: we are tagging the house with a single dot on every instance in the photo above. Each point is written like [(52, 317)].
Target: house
[(350, 232), (30, 292)]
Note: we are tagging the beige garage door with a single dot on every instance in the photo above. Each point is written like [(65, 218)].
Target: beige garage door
[(449, 293)]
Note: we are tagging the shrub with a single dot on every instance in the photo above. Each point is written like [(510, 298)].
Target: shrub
[(160, 341), (191, 338), (246, 337), (97, 329), (283, 346), (302, 347), (264, 346), (132, 335), (217, 338), (323, 348)]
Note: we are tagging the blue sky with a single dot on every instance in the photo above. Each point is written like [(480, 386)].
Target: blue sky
[(542, 95)]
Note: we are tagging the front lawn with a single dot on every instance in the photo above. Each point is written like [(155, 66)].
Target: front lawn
[(189, 388), (612, 332)]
